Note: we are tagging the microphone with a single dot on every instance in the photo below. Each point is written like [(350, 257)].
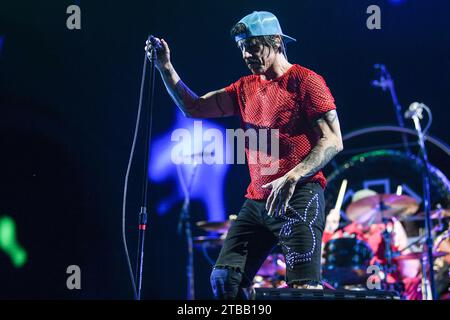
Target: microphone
[(153, 43), (415, 110)]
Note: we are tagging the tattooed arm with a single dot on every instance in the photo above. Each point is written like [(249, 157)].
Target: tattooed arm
[(329, 144), (213, 104)]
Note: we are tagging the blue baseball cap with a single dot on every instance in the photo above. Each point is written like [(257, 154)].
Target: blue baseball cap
[(262, 23)]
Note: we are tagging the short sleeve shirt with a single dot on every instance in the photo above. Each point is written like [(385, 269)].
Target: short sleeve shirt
[(290, 104)]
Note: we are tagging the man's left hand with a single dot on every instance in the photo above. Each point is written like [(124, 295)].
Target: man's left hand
[(282, 191)]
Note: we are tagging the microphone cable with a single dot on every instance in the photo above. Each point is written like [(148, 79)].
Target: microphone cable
[(125, 188), (430, 118)]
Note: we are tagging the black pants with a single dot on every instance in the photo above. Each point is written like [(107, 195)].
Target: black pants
[(254, 234)]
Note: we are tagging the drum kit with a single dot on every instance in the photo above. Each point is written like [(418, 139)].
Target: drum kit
[(346, 259)]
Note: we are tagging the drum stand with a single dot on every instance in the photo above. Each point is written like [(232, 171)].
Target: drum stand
[(390, 268), (426, 285), (185, 220), (387, 237)]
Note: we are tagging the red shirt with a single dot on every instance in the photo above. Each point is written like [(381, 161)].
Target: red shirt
[(288, 103)]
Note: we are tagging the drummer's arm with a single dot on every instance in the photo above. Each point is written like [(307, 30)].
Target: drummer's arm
[(331, 225), (407, 268), (400, 237), (332, 222)]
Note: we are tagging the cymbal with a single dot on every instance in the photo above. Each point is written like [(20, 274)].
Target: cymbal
[(216, 226), (419, 255), (374, 208), (209, 241), (434, 215)]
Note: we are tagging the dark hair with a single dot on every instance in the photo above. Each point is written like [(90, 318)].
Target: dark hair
[(269, 41)]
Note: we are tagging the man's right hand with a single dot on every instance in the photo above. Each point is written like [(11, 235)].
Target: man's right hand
[(162, 52), (218, 103)]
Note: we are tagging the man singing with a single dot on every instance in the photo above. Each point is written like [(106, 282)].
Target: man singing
[(286, 206)]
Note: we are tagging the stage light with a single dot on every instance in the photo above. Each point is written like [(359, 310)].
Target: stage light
[(209, 180), (396, 2), (9, 243)]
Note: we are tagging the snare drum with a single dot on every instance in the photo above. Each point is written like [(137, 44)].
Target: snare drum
[(346, 261)]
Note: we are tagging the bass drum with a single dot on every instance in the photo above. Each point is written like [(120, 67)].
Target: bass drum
[(346, 261)]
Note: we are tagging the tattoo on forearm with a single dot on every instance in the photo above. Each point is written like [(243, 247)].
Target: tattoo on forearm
[(324, 151), (317, 159), (184, 97), (329, 154), (167, 73)]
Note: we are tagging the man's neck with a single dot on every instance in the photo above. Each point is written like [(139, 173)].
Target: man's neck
[(278, 68)]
